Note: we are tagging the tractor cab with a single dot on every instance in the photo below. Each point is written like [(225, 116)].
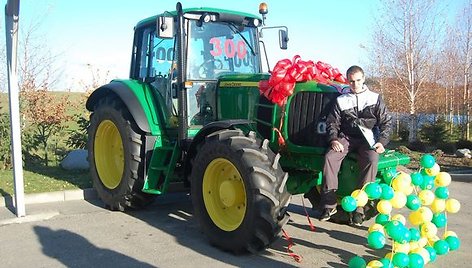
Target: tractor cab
[(183, 54)]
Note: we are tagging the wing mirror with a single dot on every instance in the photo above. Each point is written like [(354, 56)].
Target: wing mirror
[(165, 27)]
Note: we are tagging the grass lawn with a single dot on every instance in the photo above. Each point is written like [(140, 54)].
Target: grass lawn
[(45, 179), (38, 178)]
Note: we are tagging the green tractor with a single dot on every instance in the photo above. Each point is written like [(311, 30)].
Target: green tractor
[(191, 114)]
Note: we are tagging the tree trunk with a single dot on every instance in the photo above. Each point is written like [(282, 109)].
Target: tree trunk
[(413, 127)]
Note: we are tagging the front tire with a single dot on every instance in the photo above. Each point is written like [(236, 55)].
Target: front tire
[(116, 156), (238, 191)]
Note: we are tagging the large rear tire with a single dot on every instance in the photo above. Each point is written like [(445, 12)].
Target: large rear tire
[(238, 191), (116, 156)]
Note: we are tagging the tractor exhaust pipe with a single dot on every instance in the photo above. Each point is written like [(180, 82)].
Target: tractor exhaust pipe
[(181, 89)]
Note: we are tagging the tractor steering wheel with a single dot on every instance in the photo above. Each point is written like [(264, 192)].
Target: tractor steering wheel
[(208, 65)]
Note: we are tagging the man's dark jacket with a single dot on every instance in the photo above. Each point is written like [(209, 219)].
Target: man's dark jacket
[(366, 109)]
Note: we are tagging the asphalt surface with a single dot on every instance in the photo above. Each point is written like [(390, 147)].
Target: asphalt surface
[(81, 233)]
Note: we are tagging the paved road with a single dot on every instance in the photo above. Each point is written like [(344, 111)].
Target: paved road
[(84, 234)]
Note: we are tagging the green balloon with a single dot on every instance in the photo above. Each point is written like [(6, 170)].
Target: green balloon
[(416, 178), (427, 161), (428, 183), (415, 260), (397, 231), (401, 259), (442, 192), (386, 263), (413, 202), (373, 190), (439, 219), (376, 240), (387, 192), (415, 234), (453, 242), (441, 247), (349, 203), (357, 262), (389, 174), (382, 219), (432, 253)]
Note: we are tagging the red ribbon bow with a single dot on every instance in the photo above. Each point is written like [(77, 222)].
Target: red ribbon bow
[(286, 73)]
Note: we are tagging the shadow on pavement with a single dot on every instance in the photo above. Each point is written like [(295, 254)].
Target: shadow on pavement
[(73, 250), (172, 214), (344, 236)]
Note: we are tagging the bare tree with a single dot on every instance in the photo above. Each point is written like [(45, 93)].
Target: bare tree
[(464, 38), (36, 61), (405, 36), (447, 76)]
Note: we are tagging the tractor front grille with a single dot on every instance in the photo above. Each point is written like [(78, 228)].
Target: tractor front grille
[(307, 117)]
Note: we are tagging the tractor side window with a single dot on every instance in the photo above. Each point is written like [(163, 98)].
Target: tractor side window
[(157, 55), (156, 62)]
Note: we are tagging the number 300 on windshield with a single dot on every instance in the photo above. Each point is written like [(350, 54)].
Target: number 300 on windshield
[(230, 48)]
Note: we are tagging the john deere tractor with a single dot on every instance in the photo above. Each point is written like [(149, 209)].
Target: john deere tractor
[(191, 114)]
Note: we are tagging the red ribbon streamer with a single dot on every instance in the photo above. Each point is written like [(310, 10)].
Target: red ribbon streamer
[(312, 227), (295, 256), (286, 73)]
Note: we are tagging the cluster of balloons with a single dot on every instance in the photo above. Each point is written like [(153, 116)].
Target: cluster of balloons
[(287, 72), (416, 239)]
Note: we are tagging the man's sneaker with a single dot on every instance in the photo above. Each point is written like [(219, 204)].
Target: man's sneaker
[(357, 218), (327, 213)]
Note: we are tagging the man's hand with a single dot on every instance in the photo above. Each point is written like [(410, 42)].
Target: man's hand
[(379, 148), (337, 146)]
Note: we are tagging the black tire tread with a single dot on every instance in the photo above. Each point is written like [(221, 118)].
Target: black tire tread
[(268, 210), (128, 194)]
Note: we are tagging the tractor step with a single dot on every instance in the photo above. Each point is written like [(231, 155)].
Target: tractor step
[(161, 169)]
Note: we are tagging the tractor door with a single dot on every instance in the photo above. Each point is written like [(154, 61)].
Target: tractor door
[(216, 49)]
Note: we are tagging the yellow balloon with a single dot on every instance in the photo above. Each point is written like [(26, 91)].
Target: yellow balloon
[(423, 241), (426, 214), (442, 179), (374, 264), (398, 200), (407, 190), (433, 171), (398, 247), (449, 233), (432, 240), (400, 218), (415, 218), (438, 205), (452, 205), (384, 207), (414, 245), (429, 230), (361, 197), (401, 181), (376, 227), (388, 256), (426, 197)]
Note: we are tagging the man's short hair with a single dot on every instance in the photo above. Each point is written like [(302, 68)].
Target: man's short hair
[(354, 69)]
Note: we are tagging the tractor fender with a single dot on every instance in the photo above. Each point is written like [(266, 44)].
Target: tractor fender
[(127, 96), (207, 130)]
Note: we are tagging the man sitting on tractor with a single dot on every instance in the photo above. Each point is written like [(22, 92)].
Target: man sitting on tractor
[(359, 108)]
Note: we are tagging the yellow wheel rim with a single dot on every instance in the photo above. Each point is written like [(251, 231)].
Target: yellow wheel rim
[(108, 154), (224, 194)]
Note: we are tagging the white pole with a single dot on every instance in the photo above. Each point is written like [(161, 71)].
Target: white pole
[(12, 11)]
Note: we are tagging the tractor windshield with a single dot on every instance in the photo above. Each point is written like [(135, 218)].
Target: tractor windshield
[(220, 48)]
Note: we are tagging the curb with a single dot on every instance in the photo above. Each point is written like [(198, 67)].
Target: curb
[(59, 196), (91, 194)]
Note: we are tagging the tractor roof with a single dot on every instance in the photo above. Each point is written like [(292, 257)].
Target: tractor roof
[(152, 19)]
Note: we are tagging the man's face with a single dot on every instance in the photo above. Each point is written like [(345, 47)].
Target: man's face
[(356, 80)]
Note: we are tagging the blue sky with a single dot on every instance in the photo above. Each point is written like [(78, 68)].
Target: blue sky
[(100, 32)]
